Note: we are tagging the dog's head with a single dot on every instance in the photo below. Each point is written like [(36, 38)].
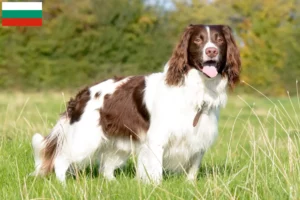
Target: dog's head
[(210, 49)]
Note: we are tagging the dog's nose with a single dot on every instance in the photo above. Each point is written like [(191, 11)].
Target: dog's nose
[(211, 52)]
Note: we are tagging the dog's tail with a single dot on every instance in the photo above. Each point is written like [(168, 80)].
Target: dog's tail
[(46, 148)]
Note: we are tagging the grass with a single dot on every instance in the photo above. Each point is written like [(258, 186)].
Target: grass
[(256, 155)]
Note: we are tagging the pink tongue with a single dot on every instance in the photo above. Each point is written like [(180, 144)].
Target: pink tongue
[(210, 71)]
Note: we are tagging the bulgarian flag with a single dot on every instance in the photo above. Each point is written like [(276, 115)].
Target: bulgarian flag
[(22, 14)]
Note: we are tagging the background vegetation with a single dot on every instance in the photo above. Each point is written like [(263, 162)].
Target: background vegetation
[(84, 41), (257, 153)]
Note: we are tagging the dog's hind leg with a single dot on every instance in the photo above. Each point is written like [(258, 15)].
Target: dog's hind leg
[(110, 161), (61, 165)]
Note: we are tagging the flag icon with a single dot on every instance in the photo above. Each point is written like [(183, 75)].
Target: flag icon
[(22, 14)]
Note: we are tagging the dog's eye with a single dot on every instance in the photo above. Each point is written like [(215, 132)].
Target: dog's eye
[(220, 40), (198, 40)]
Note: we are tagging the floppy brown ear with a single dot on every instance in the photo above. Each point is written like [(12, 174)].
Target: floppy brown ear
[(179, 59), (233, 60)]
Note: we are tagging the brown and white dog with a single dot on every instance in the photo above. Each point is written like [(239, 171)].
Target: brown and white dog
[(169, 119)]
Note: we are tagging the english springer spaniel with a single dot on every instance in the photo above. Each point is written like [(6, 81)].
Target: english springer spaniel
[(168, 119)]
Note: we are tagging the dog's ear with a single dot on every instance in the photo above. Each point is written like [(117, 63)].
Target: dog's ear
[(179, 59), (233, 60)]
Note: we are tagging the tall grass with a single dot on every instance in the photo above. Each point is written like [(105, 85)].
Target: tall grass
[(256, 155)]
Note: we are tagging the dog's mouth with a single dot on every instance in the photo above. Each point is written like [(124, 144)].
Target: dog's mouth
[(209, 68)]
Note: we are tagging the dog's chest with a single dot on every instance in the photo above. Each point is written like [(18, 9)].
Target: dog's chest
[(173, 110), (185, 143), (179, 150)]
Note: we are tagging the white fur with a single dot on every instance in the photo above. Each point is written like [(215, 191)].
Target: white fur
[(171, 142), (208, 45)]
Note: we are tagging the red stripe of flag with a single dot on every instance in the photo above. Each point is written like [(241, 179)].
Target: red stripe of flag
[(22, 22)]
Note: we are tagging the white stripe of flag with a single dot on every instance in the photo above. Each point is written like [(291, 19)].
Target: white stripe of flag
[(21, 5)]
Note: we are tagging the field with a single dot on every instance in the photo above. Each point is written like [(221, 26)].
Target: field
[(256, 155)]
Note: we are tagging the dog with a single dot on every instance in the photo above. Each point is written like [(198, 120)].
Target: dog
[(168, 119)]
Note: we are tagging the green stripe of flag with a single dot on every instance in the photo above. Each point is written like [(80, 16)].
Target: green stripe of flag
[(22, 14)]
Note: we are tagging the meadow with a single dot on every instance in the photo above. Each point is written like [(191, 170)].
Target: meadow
[(256, 155)]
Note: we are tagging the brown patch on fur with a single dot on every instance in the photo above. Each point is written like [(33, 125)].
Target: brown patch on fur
[(233, 62), (48, 154), (76, 105), (97, 95), (123, 113)]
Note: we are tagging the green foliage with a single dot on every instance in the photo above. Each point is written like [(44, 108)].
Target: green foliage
[(264, 31), (85, 41), (81, 42)]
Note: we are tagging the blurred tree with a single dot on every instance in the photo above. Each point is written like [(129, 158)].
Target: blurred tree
[(291, 71), (264, 27), (81, 42)]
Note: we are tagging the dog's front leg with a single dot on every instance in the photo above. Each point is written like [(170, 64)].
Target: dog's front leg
[(194, 167), (150, 166)]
